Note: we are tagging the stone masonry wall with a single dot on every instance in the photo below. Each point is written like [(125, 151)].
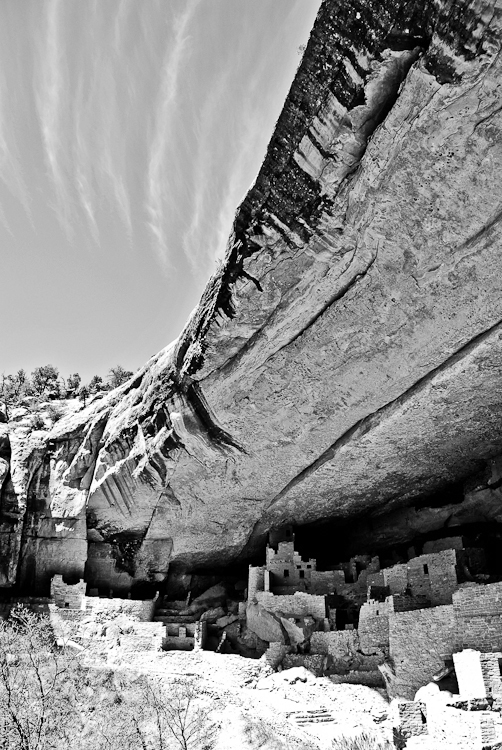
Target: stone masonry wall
[(490, 669), (440, 568), (412, 716), (396, 578), (326, 582), (287, 567), (66, 596), (478, 611), (135, 609), (374, 626), (434, 576), (419, 643)]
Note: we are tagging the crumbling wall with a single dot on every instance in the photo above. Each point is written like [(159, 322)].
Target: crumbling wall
[(68, 596), (396, 578), (412, 718), (374, 625), (143, 636), (326, 582), (315, 663), (376, 580), (407, 602), (419, 642), (478, 612), (490, 669), (135, 609), (339, 644), (432, 576), (298, 604)]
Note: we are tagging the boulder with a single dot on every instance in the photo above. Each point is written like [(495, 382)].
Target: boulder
[(294, 633), (223, 622), (212, 615), (264, 624), (215, 595)]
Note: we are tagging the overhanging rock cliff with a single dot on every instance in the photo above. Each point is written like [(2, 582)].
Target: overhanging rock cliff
[(347, 357)]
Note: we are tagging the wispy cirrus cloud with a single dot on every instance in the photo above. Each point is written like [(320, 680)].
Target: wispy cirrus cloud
[(202, 187), (11, 172), (216, 190), (50, 92), (158, 172)]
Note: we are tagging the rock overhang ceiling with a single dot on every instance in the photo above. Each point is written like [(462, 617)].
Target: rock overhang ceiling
[(346, 358)]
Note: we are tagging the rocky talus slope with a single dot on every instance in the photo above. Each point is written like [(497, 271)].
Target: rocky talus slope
[(347, 357)]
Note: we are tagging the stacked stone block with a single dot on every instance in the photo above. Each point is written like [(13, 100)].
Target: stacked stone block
[(478, 611), (413, 718), (374, 625), (66, 596), (419, 643)]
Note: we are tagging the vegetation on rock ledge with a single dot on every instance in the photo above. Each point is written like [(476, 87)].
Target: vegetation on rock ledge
[(45, 383)]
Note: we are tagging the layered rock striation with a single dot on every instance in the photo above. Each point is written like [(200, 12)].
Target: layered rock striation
[(344, 361)]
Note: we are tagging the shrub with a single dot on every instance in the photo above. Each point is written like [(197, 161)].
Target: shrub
[(37, 422), (39, 685), (364, 741), (55, 413), (50, 701)]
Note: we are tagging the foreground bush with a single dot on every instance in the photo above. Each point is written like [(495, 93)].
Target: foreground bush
[(363, 741), (50, 701)]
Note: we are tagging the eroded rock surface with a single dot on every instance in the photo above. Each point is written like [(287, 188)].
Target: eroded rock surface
[(347, 357)]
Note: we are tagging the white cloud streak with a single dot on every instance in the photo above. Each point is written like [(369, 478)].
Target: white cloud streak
[(82, 177), (202, 182), (10, 164), (206, 238), (49, 104), (99, 133), (157, 187)]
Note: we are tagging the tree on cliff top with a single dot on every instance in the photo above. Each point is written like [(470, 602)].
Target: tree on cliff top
[(45, 381), (118, 375), (14, 387), (73, 383)]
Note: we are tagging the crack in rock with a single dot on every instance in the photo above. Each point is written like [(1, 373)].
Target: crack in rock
[(368, 422)]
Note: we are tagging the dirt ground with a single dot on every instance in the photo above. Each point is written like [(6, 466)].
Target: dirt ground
[(256, 708)]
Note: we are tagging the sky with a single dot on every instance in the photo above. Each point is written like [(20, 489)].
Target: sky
[(129, 133)]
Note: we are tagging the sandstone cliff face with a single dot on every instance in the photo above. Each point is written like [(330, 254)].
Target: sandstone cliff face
[(347, 357)]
